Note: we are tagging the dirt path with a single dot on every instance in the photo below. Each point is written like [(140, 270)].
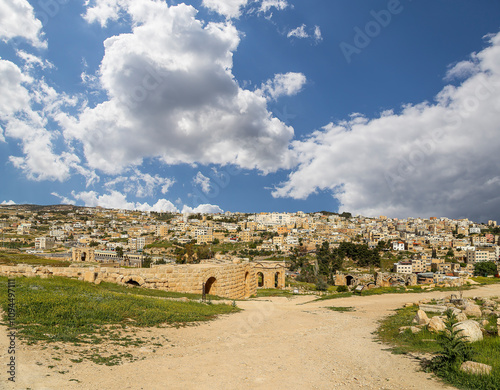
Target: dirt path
[(278, 343)]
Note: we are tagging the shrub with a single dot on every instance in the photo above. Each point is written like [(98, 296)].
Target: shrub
[(341, 289), (321, 285), (455, 349)]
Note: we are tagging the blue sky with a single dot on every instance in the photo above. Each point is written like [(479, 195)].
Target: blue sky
[(373, 107)]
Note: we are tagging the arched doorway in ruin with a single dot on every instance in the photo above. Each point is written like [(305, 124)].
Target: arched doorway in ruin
[(84, 256), (133, 280), (276, 280), (349, 280), (210, 286), (260, 279)]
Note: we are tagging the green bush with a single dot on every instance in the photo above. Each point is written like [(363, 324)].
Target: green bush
[(342, 289), (454, 348)]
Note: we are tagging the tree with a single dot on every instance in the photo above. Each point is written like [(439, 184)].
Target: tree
[(485, 268), (119, 251), (146, 261), (93, 243)]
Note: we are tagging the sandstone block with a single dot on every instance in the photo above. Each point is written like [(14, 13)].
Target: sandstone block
[(436, 324), (433, 308), (470, 329), (472, 310), (421, 318), (461, 317), (475, 368)]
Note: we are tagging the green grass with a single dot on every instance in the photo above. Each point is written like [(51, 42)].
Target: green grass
[(272, 292), (66, 310), (7, 258), (113, 287), (483, 280), (485, 351)]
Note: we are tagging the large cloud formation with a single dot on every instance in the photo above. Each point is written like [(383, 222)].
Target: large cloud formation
[(17, 19), (429, 159), (172, 96)]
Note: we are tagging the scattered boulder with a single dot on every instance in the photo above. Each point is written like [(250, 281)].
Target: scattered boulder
[(421, 318), (470, 329), (475, 368), (433, 308), (403, 328), (436, 324), (498, 326), (415, 329), (472, 310), (89, 276), (461, 317), (489, 303)]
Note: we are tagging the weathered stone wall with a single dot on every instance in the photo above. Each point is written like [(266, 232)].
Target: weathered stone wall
[(353, 279), (384, 279), (234, 281)]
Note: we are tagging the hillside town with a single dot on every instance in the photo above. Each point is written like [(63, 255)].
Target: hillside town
[(432, 248)]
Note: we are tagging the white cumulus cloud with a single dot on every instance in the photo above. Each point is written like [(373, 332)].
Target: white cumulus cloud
[(117, 200), (228, 8), (203, 182), (172, 95), (266, 5), (284, 84), (429, 159), (299, 32), (202, 209), (20, 92), (17, 19)]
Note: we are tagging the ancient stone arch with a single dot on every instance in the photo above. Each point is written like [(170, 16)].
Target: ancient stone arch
[(260, 279), (211, 286), (83, 254), (133, 280), (273, 274)]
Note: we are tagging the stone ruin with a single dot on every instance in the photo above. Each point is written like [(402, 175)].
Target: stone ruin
[(233, 280), (380, 279)]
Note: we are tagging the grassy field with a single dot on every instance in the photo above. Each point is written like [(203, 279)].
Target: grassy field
[(483, 280), (71, 311), (485, 351), (146, 292), (273, 292), (8, 258)]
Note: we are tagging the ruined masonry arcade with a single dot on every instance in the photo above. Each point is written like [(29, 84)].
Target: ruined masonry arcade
[(229, 280)]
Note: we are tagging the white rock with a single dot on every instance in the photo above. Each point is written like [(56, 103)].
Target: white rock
[(472, 310), (436, 324), (475, 368), (421, 318), (470, 329)]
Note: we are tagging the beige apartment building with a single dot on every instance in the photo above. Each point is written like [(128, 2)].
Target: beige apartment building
[(484, 254)]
